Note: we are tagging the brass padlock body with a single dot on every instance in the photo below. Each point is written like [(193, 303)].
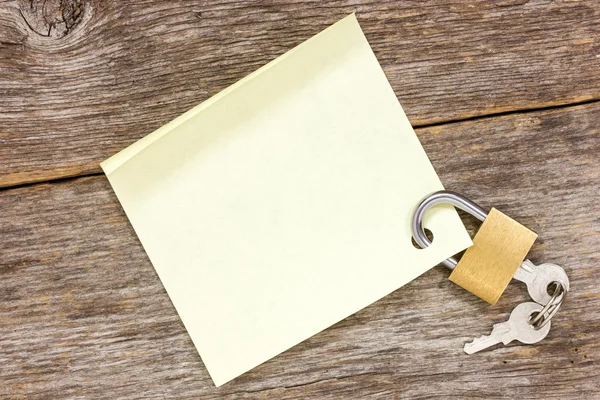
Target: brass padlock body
[(499, 247)]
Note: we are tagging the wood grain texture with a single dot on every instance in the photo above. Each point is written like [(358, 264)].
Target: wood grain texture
[(83, 314), (82, 79)]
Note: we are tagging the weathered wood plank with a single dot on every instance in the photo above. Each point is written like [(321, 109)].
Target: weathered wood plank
[(82, 79), (83, 315)]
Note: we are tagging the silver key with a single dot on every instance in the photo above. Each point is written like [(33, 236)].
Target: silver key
[(516, 328), (539, 277)]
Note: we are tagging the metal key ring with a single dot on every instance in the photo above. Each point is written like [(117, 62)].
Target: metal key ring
[(545, 315)]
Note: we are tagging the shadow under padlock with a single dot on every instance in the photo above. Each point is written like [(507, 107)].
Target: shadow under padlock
[(497, 256)]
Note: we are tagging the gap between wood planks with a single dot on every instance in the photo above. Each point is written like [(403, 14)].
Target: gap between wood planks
[(532, 109)]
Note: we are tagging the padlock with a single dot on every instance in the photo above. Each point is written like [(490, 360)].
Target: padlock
[(499, 247)]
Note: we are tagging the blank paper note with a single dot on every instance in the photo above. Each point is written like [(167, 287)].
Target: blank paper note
[(282, 205)]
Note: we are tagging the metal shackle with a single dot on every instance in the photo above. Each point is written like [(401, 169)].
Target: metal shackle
[(442, 197)]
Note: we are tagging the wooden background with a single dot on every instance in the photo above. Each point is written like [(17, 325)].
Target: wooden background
[(504, 96)]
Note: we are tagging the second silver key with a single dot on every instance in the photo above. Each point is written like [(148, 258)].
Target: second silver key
[(539, 277), (516, 328)]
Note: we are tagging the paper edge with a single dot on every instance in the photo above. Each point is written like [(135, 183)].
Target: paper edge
[(114, 162)]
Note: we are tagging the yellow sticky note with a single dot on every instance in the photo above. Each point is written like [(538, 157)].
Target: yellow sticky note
[(282, 205)]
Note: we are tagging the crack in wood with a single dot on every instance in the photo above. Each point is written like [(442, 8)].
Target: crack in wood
[(60, 178)]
